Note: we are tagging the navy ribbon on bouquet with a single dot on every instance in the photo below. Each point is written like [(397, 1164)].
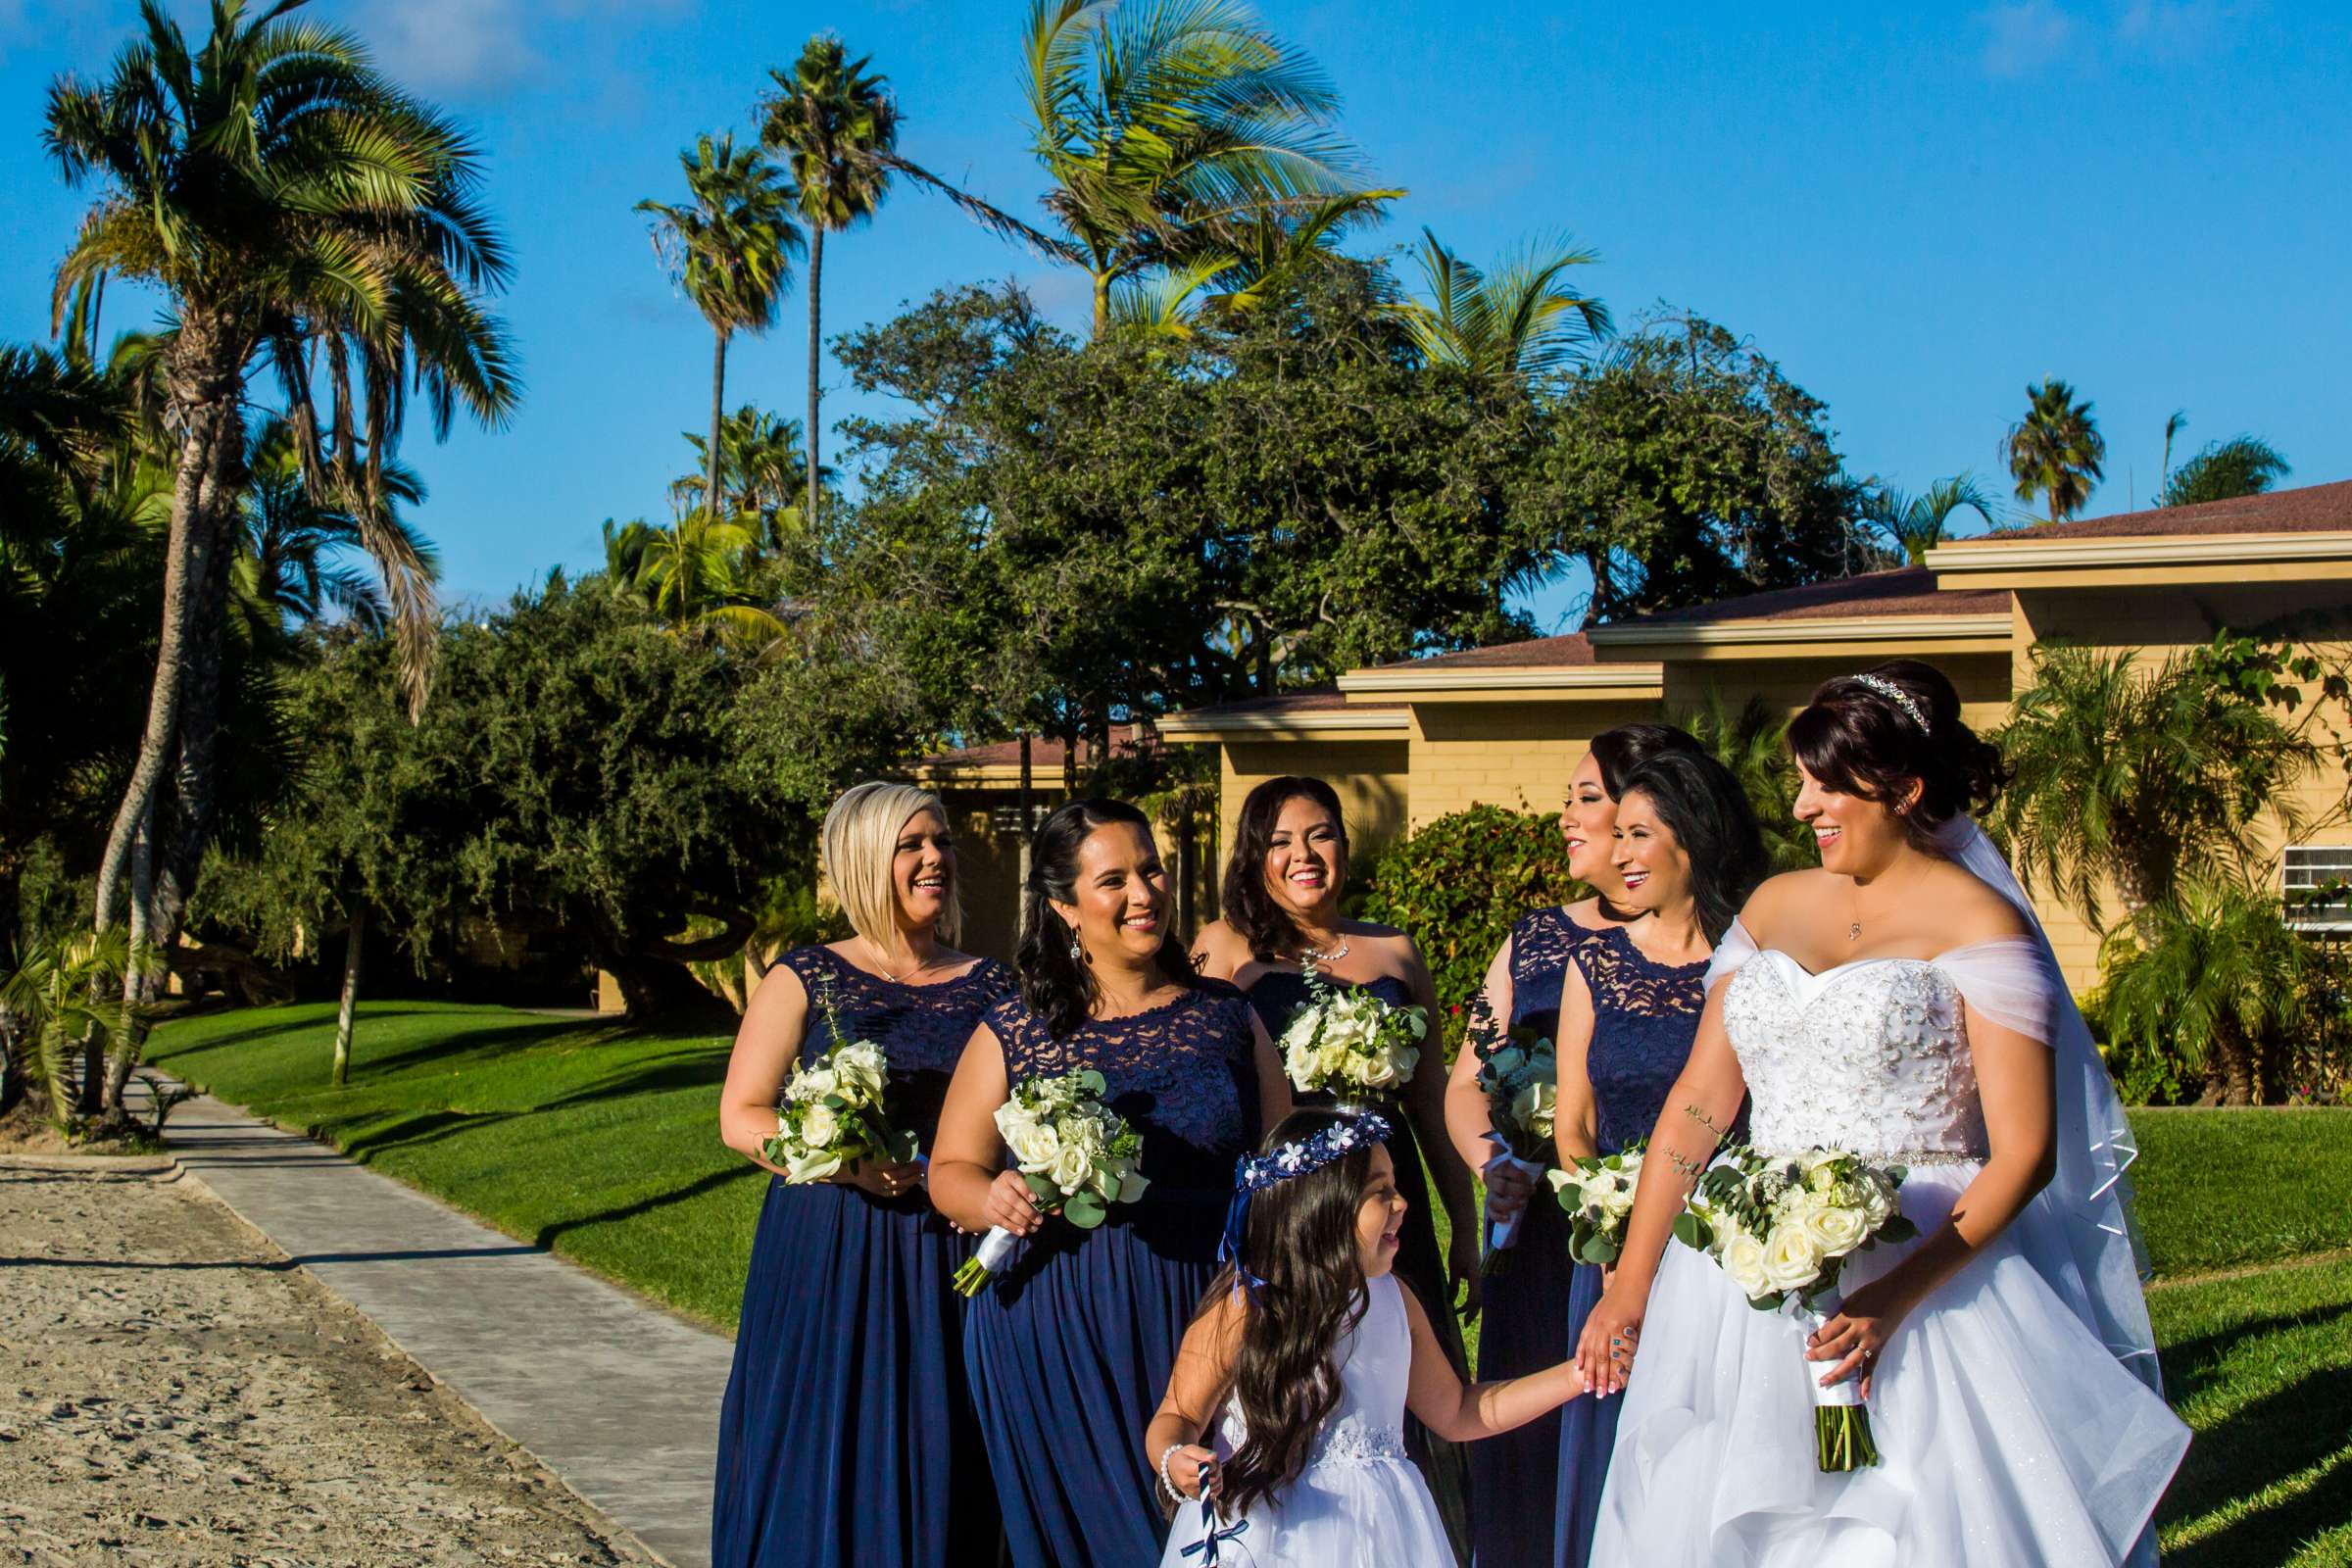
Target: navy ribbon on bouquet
[(1206, 1549)]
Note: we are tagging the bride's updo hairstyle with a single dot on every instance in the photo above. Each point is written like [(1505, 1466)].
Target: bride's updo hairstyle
[(1873, 734), (1058, 987), (1301, 1245)]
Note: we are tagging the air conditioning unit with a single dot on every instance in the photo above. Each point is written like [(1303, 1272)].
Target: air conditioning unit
[(2317, 881)]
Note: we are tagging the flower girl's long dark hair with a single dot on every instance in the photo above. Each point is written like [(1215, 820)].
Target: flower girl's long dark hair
[(1301, 1245)]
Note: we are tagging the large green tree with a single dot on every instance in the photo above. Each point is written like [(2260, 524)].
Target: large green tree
[(2056, 451), (1683, 467), (730, 248), (281, 194)]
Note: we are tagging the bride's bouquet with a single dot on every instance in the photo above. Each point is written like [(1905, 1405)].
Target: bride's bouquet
[(1076, 1154), (1517, 1075), (833, 1113), (1350, 1041), (1598, 1193), (1782, 1226)]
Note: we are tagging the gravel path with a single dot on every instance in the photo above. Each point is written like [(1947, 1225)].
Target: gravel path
[(172, 1391)]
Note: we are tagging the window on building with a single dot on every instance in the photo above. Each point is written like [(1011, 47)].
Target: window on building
[(2317, 880)]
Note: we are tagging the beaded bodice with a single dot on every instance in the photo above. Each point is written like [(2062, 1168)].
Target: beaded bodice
[(1645, 1017), (1183, 1073), (1870, 1056), (1376, 1367), (922, 1028)]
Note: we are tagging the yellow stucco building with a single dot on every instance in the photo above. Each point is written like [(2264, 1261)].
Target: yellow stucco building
[(1409, 743)]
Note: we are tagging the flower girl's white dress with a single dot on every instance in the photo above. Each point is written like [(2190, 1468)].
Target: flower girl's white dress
[(1360, 1502), (2016, 1410)]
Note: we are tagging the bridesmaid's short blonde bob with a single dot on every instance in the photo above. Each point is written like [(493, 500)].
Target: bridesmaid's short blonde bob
[(860, 838)]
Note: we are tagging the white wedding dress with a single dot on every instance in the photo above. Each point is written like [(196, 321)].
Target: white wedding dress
[(2017, 1411), (1360, 1502)]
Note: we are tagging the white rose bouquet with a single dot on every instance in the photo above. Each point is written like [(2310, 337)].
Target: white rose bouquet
[(1076, 1154), (1598, 1196), (1782, 1226), (1351, 1043), (1517, 1073), (833, 1115)]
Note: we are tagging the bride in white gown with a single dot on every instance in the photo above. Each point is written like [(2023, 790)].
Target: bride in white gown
[(1900, 1003)]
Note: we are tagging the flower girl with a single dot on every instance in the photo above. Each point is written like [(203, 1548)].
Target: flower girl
[(1314, 1353)]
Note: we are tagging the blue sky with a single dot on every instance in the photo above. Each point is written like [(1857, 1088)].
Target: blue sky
[(1916, 210)]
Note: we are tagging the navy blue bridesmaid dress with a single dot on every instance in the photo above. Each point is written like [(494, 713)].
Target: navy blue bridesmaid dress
[(1278, 995), (1523, 1327), (1645, 1017), (847, 1438), (1071, 1347)]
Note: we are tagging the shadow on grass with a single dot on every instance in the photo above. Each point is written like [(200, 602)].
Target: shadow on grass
[(2194, 1365), (2284, 1433), (163, 1048), (547, 1234), (465, 1043)]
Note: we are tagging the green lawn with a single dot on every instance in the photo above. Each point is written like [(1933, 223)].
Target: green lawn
[(601, 1142)]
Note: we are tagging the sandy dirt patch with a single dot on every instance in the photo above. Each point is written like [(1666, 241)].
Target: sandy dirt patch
[(173, 1392)]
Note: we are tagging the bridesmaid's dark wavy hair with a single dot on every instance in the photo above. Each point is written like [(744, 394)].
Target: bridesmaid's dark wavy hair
[(1862, 742), (1059, 988), (1249, 909), (1625, 748), (1701, 803), (1302, 1242)]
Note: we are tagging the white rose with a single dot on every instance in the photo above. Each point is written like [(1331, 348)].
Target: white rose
[(1743, 1258), (820, 1126), (815, 1084), (1036, 1146), (1878, 1200), (1377, 1070), (1791, 1257), (1070, 1168), (1836, 1229), (1534, 1107), (860, 1069)]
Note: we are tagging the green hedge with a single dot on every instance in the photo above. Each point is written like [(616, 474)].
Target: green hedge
[(1458, 885)]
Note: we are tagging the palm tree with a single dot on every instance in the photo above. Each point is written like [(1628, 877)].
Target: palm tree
[(53, 994), (2214, 978), (1169, 129), (692, 576), (1271, 256), (1917, 522), (286, 566), (838, 127), (835, 124), (2129, 773), (730, 251), (280, 193), (2243, 466), (760, 473), (1519, 323), (2056, 450)]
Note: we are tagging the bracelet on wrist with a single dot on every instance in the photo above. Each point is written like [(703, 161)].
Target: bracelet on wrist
[(1165, 1454)]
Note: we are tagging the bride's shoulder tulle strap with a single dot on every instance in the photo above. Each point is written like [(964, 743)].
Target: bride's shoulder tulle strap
[(2011, 981), (1735, 950)]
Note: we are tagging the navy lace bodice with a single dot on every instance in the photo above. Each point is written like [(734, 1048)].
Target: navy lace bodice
[(923, 1029), (1542, 945), (1645, 1017), (1184, 1074)]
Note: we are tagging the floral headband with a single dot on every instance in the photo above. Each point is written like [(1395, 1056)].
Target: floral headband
[(1899, 697), (1254, 1173)]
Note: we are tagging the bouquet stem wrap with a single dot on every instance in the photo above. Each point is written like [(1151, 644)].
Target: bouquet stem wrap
[(996, 1250), (1504, 1234), (1842, 1438)]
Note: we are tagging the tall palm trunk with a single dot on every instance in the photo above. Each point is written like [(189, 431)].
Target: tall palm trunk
[(1102, 304), (719, 414), (816, 278), (208, 391), (348, 1006)]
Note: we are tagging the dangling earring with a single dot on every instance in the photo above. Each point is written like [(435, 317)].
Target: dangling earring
[(1077, 952)]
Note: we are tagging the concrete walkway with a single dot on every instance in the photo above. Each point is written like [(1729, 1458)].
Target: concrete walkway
[(614, 1396)]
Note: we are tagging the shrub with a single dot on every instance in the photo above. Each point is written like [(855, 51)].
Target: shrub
[(2209, 985), (1458, 885)]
